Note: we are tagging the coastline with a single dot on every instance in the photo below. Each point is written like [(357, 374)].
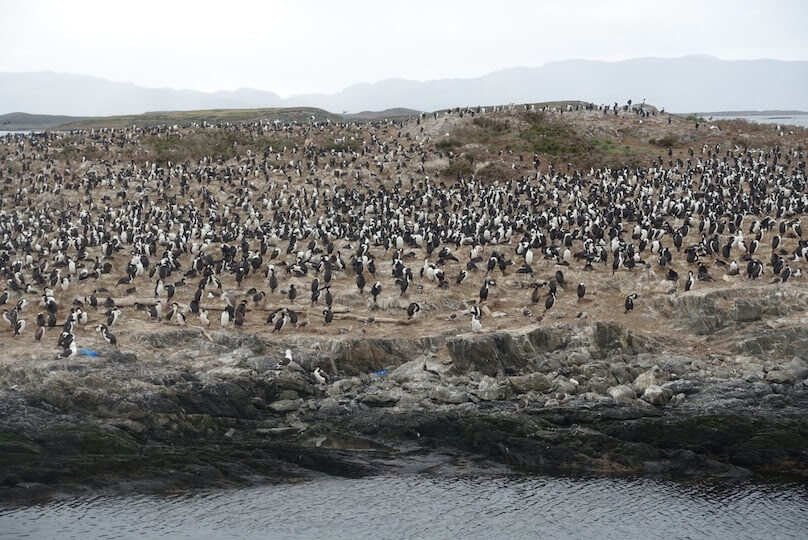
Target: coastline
[(208, 409)]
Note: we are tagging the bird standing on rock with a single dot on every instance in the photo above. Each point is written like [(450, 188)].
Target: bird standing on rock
[(629, 304), (476, 324), (320, 376)]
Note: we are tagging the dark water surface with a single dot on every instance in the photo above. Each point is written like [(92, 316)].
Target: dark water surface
[(428, 507)]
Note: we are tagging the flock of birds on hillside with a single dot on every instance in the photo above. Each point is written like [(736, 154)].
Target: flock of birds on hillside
[(277, 238)]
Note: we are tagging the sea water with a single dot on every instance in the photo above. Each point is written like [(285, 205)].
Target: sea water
[(471, 507)]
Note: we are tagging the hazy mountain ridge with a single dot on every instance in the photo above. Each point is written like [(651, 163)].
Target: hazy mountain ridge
[(686, 84)]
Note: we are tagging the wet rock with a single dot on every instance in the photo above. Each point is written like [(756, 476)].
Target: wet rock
[(285, 405), (414, 371), (446, 394), (491, 389), (677, 365), (288, 394), (231, 398), (657, 395), (293, 380), (599, 385), (379, 399), (648, 378), (350, 385), (779, 342), (622, 393), (746, 310), (533, 382), (789, 373), (593, 397), (622, 373), (566, 386), (774, 401), (361, 356), (579, 357), (697, 312), (677, 400), (611, 337), (119, 357)]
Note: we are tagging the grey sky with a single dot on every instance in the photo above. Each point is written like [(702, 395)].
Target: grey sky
[(323, 46)]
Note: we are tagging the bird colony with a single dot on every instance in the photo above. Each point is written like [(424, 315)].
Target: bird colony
[(357, 229)]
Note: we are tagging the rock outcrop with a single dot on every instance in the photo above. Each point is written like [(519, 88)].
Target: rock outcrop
[(210, 408)]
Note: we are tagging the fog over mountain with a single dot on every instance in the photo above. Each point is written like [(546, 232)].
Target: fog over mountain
[(686, 84)]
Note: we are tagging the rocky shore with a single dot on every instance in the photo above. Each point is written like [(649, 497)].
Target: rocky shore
[(716, 384)]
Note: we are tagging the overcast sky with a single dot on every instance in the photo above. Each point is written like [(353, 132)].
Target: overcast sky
[(294, 47)]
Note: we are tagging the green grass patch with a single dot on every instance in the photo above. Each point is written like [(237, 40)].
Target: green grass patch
[(555, 138), (460, 167), (447, 145), (217, 143), (348, 145), (668, 141)]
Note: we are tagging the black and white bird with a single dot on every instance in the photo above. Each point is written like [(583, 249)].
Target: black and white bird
[(461, 277), (227, 315), (691, 280), (629, 304), (375, 291), (280, 323), (19, 326), (10, 316), (484, 290), (549, 301), (476, 324), (412, 310), (113, 315), (156, 311), (287, 359), (69, 350), (176, 314), (320, 376), (581, 291), (106, 334), (328, 315)]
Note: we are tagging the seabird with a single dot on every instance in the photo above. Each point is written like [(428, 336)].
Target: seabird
[(320, 376), (106, 334), (629, 304), (287, 359)]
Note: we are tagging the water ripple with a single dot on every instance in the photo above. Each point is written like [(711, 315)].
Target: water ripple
[(427, 507)]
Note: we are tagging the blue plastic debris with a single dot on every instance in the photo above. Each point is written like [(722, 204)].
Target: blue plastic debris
[(380, 372), (88, 352)]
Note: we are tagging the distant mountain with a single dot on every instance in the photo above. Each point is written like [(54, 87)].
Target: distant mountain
[(686, 84), (82, 95)]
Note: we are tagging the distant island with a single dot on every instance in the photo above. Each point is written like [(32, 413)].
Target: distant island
[(19, 121), (775, 112)]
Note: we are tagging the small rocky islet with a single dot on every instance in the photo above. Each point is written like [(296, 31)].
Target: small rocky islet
[(705, 376)]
